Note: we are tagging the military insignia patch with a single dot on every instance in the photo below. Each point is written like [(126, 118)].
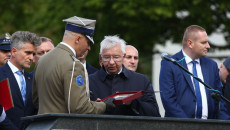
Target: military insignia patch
[(79, 80)]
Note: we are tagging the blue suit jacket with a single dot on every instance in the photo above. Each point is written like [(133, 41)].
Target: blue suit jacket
[(19, 110), (177, 92)]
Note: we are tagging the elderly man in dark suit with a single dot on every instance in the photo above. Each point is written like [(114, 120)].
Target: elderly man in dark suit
[(224, 73), (23, 48), (114, 77), (181, 94)]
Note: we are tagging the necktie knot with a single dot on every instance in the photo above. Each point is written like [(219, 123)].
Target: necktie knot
[(194, 62), (19, 73)]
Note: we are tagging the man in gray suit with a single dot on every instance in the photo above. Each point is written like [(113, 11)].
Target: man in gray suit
[(60, 83)]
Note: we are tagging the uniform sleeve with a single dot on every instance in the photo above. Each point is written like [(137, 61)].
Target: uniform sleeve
[(34, 92), (75, 92)]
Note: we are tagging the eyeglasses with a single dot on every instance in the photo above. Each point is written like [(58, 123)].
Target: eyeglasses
[(108, 58)]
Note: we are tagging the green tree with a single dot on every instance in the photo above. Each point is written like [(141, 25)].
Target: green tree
[(142, 23)]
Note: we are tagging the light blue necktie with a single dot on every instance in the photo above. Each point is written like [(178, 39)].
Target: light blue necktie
[(198, 95), (23, 85)]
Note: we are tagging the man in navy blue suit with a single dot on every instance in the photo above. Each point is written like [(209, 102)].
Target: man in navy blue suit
[(181, 94), (90, 69), (5, 123), (23, 48), (114, 77)]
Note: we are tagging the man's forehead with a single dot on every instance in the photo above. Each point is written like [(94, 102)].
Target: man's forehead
[(131, 49), (112, 50), (47, 44)]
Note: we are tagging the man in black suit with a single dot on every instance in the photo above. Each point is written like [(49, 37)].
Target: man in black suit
[(5, 124), (23, 48), (224, 73), (90, 69)]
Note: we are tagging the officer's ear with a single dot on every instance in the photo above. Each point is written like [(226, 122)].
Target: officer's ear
[(77, 38)]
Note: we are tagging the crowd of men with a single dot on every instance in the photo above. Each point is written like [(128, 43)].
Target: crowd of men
[(63, 82)]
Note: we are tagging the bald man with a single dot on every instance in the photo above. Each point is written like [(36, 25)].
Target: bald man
[(131, 59)]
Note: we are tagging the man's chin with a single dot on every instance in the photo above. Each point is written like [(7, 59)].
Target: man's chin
[(112, 71), (27, 66)]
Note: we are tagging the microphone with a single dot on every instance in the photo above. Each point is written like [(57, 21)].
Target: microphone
[(167, 57)]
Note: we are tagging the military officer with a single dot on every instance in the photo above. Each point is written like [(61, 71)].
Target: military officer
[(4, 48), (59, 84)]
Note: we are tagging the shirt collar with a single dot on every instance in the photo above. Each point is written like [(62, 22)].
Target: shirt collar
[(13, 67), (74, 52), (104, 74), (188, 59), (84, 64)]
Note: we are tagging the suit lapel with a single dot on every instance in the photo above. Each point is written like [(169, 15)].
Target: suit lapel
[(15, 91), (205, 69), (28, 79), (186, 75)]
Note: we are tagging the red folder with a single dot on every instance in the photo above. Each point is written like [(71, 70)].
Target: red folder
[(124, 97), (5, 95)]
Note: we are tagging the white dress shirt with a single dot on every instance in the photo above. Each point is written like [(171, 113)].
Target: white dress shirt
[(14, 69), (202, 87), (2, 115)]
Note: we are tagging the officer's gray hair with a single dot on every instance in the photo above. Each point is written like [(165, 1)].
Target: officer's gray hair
[(111, 41), (19, 38)]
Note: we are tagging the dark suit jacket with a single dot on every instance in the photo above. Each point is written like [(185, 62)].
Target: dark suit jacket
[(19, 110), (90, 69), (7, 125), (226, 91), (177, 92), (103, 85)]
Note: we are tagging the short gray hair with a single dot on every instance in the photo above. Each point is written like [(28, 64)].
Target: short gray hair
[(19, 38), (46, 39), (111, 41)]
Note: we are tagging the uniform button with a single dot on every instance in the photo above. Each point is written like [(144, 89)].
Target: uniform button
[(194, 100)]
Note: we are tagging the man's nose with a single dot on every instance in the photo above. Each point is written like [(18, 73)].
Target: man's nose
[(111, 61), (208, 46), (132, 60)]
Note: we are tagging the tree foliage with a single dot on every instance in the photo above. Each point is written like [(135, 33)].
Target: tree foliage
[(142, 23)]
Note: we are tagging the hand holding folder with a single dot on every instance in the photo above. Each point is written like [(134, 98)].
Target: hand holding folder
[(5, 95)]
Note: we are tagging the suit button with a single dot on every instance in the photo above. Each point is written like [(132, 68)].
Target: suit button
[(194, 100)]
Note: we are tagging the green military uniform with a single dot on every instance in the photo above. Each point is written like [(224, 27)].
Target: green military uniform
[(53, 89)]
